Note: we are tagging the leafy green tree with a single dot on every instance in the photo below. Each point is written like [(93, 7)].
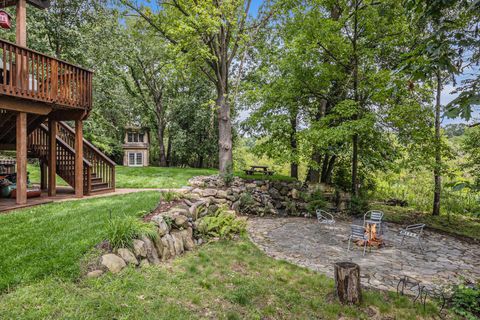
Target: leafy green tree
[(471, 146), (436, 58), (208, 35)]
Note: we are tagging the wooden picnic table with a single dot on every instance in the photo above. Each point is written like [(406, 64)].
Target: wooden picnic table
[(259, 169)]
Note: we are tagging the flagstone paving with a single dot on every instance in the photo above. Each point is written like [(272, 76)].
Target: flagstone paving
[(305, 242)]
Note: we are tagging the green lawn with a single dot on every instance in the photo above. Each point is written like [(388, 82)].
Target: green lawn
[(463, 225), (50, 239), (44, 248), (155, 177)]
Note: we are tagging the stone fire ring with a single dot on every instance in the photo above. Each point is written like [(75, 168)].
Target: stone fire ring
[(307, 243)]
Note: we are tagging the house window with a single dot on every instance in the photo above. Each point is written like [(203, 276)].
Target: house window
[(135, 137), (135, 159)]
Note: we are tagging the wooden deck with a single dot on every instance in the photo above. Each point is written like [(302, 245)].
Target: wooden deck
[(62, 194), (37, 78)]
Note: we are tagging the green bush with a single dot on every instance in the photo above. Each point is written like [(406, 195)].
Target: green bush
[(466, 301), (247, 204), (222, 224), (168, 196), (359, 204), (121, 231), (315, 200)]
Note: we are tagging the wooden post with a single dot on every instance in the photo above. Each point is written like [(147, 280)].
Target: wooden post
[(21, 23), (347, 282), (52, 158), (21, 158), (43, 175), (78, 158), (21, 39)]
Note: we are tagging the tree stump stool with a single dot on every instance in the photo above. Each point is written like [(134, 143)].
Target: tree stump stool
[(347, 282)]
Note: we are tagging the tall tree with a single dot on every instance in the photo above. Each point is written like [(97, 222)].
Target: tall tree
[(209, 35), (151, 72), (437, 58)]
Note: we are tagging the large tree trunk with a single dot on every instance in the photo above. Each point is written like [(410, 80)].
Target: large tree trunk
[(169, 151), (159, 112), (355, 165), (293, 145), (331, 164), (356, 98), (438, 154), (225, 158)]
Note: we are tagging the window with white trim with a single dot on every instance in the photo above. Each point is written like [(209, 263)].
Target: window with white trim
[(135, 159)]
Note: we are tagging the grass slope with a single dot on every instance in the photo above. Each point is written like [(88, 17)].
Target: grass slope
[(223, 280), (50, 239)]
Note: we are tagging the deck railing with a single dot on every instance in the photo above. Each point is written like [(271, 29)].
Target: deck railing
[(28, 74), (102, 166)]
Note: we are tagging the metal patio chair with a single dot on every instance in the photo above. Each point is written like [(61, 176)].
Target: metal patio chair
[(358, 233), (374, 217), (325, 217), (413, 231)]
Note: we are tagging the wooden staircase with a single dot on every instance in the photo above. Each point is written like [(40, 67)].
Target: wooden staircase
[(98, 169)]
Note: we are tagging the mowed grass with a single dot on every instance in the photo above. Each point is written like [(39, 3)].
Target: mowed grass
[(50, 239), (222, 280), (463, 225), (156, 177)]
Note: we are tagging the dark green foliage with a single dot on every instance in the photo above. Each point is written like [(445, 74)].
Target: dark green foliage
[(466, 301), (358, 204), (247, 203), (222, 224), (315, 200)]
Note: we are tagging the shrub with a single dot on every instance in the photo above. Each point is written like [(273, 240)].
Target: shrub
[(121, 231), (466, 301), (358, 205), (169, 196), (315, 200), (247, 204), (222, 224)]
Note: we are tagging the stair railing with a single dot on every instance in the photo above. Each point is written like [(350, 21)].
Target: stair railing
[(102, 166), (38, 143)]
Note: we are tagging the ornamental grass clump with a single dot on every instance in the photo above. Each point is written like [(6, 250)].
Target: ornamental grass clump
[(121, 231), (222, 224)]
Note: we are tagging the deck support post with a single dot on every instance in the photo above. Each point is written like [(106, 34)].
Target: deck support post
[(78, 158), (21, 23), (21, 140), (43, 175), (52, 158)]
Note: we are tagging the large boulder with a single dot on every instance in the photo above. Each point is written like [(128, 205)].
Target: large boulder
[(162, 225), (187, 236), (178, 242), (127, 256), (94, 274), (113, 262), (139, 248), (181, 221), (168, 247), (152, 254), (209, 192)]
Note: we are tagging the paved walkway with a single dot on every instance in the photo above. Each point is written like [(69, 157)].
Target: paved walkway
[(307, 243)]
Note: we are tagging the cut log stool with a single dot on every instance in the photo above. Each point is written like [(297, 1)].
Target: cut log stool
[(347, 282)]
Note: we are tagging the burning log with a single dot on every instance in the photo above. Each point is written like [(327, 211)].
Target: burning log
[(372, 235), (347, 282)]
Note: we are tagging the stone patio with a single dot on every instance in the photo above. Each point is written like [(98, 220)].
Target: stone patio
[(305, 242)]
